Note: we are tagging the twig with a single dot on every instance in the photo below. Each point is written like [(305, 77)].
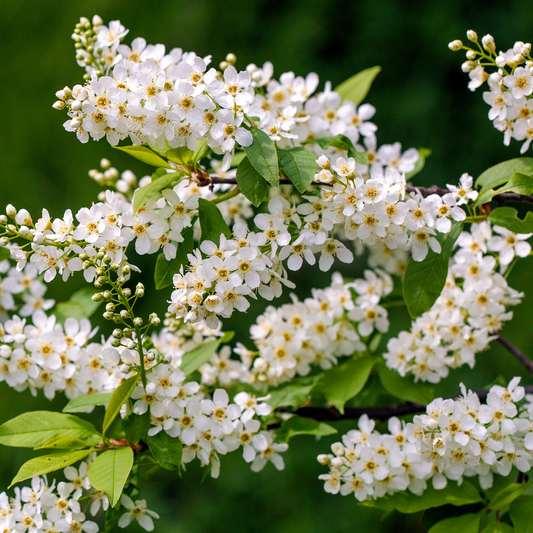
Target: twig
[(528, 363)]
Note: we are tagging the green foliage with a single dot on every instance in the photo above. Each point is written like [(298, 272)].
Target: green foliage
[(294, 393), (181, 155), (423, 154), (48, 463), (165, 270), (119, 398), (423, 281), (79, 306), (66, 443), (342, 143), (145, 155), (36, 428), (518, 183), (110, 470), (502, 172), (263, 157), (356, 88), (251, 183), (521, 513), (405, 388), (407, 503), (136, 426), (507, 217), (80, 404), (508, 495), (297, 425), (299, 165), (166, 450), (497, 527), (202, 149), (144, 194), (344, 381), (200, 355), (467, 523), (212, 222), (4, 253)]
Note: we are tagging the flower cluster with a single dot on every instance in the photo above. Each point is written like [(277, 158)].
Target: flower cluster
[(510, 85), (470, 310), (456, 438)]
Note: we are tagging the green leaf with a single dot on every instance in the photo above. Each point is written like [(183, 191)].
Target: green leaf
[(136, 427), (227, 337), (145, 155), (165, 270), (4, 253), (166, 450), (36, 428), (181, 155), (296, 425), (518, 183), (299, 165), (110, 470), (200, 355), (212, 222), (294, 393), (346, 380), (65, 443), (119, 398), (423, 281), (356, 88), (80, 306), (237, 158), (405, 388), (423, 154), (508, 495), (407, 503), (144, 194), (202, 149), (521, 513), (251, 183), (467, 523), (342, 143), (502, 172), (507, 217), (262, 154), (48, 463), (497, 527), (80, 404), (159, 173)]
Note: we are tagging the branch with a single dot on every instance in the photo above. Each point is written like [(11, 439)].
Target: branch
[(528, 363), (330, 414)]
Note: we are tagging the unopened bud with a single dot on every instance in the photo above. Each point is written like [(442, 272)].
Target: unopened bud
[(76, 105), (224, 65), (4, 241), (432, 424), (24, 230), (75, 123), (97, 297), (11, 211), (519, 58), (151, 388), (110, 306), (108, 316), (468, 66), (117, 333), (127, 292), (166, 359), (138, 321), (60, 95), (105, 164), (488, 43), (126, 270), (150, 356), (97, 21), (38, 238), (131, 345), (471, 55), (59, 105), (456, 45), (231, 59), (472, 36), (124, 369), (107, 295), (3, 219)]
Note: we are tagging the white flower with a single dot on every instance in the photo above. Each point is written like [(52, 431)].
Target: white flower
[(136, 511)]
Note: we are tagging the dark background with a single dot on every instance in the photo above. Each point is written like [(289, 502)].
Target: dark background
[(422, 101)]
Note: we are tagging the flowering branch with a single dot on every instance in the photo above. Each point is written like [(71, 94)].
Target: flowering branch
[(499, 198), (517, 353)]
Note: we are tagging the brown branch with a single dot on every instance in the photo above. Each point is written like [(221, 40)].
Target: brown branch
[(528, 363)]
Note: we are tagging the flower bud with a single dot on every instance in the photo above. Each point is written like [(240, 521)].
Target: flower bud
[(38, 238), (11, 211), (501, 62), (131, 345), (97, 21), (110, 306), (115, 343), (456, 45), (472, 36), (519, 58), (150, 356), (97, 297), (107, 295), (126, 270), (105, 164), (224, 65), (124, 369), (3, 219), (75, 123), (24, 230), (127, 292), (84, 21), (526, 50), (166, 359), (59, 105), (23, 217), (231, 59), (468, 66), (79, 92), (337, 462), (138, 321), (488, 43), (471, 55), (76, 105), (432, 424), (60, 95), (124, 314), (117, 333), (108, 316), (4, 241), (151, 388)]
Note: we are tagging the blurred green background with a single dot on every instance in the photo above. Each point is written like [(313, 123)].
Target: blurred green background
[(421, 99)]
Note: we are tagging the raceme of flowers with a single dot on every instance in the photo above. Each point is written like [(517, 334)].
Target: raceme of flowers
[(455, 439), (471, 309), (510, 85)]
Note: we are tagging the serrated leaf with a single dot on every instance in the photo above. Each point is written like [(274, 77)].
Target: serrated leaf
[(136, 427), (467, 523), (80, 404), (406, 502), (508, 495), (212, 222), (79, 306), (507, 217), (166, 450), (145, 155), (346, 380), (299, 165), (110, 470), (165, 270), (294, 393), (144, 194), (297, 425), (65, 443), (356, 88), (119, 398), (423, 281), (405, 388), (263, 157), (200, 355), (36, 428), (502, 172), (251, 183), (521, 513), (48, 463), (423, 154)]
